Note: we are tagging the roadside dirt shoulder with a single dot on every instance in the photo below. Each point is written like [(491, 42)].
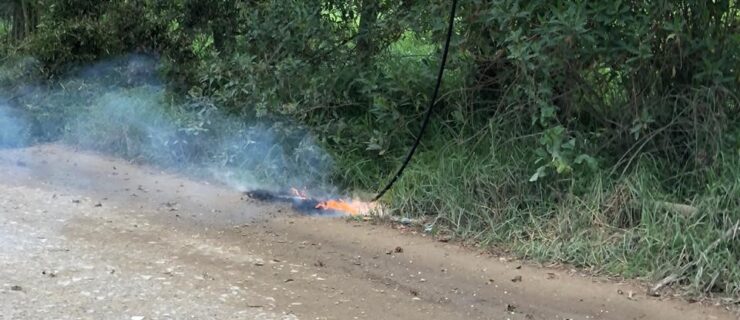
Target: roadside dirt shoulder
[(92, 237)]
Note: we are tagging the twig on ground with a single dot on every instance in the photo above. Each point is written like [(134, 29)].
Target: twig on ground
[(683, 209)]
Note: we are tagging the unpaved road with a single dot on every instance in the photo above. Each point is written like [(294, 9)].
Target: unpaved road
[(89, 237)]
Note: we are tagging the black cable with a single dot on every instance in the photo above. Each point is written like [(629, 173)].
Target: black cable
[(432, 103)]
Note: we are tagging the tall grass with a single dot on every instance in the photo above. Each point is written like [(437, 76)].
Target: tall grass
[(626, 226), (653, 219)]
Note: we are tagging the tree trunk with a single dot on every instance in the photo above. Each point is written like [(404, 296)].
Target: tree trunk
[(23, 19), (26, 18), (17, 24), (366, 47)]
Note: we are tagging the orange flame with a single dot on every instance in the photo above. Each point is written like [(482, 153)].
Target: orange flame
[(338, 205), (353, 208)]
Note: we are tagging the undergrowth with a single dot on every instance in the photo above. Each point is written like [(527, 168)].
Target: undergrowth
[(632, 225)]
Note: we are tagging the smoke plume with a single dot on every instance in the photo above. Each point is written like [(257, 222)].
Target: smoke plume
[(122, 108)]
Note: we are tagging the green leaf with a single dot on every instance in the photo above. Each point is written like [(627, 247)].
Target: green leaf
[(540, 173), (588, 160), (562, 166)]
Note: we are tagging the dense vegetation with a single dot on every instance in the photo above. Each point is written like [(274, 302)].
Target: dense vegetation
[(604, 134)]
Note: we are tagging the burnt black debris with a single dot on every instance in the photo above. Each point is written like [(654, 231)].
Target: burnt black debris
[(262, 195), (302, 205)]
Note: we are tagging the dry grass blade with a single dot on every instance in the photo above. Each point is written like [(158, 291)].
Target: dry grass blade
[(679, 275)]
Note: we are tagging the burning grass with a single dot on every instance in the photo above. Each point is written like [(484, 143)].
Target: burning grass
[(303, 203)]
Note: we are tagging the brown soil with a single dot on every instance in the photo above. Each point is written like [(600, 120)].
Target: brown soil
[(84, 236)]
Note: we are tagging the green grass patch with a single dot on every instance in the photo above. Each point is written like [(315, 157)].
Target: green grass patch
[(624, 226)]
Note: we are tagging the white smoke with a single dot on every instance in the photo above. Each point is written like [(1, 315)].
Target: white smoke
[(119, 106), (14, 132)]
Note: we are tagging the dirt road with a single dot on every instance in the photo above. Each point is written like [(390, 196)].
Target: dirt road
[(89, 237)]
